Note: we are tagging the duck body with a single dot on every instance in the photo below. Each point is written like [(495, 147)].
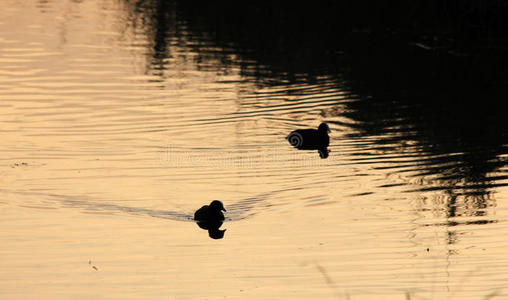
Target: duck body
[(210, 213), (310, 139)]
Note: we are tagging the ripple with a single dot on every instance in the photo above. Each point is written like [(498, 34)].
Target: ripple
[(118, 123)]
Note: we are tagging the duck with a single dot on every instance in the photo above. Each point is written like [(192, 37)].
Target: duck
[(210, 213), (310, 139)]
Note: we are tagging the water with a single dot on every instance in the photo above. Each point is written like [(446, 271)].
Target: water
[(120, 119)]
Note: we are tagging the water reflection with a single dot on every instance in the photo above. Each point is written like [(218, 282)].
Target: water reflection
[(213, 228), (457, 153)]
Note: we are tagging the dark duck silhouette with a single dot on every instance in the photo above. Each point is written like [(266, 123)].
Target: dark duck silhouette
[(210, 213), (311, 139), (210, 217)]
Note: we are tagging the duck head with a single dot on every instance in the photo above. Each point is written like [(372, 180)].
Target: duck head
[(217, 205), (323, 127)]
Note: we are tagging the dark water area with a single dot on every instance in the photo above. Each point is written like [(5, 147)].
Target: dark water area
[(122, 118), (433, 73)]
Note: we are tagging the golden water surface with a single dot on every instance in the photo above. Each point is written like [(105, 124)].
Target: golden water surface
[(108, 149)]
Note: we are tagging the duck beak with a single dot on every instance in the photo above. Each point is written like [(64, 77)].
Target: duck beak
[(223, 209)]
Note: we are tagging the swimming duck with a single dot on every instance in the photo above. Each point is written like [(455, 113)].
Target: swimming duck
[(210, 213), (310, 139)]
